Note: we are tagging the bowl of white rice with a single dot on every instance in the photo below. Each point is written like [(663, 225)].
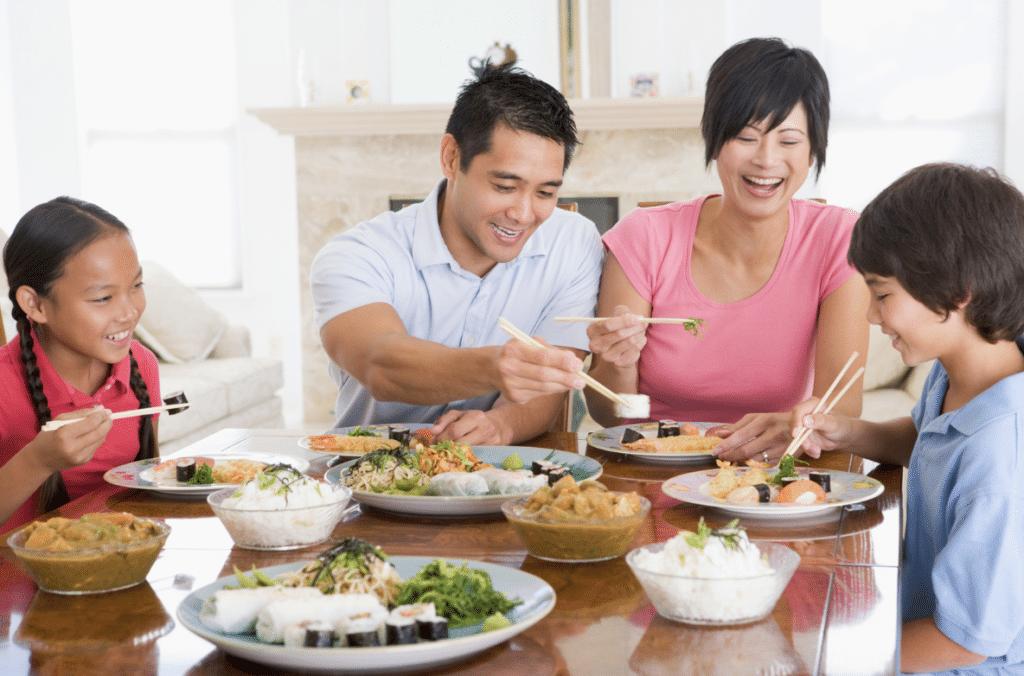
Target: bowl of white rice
[(725, 580), (280, 508)]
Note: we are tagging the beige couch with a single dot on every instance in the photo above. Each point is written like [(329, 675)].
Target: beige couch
[(891, 388), (201, 355)]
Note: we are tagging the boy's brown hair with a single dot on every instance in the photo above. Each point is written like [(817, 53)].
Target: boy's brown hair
[(950, 233)]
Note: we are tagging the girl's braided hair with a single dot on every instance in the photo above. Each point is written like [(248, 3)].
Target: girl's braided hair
[(35, 255)]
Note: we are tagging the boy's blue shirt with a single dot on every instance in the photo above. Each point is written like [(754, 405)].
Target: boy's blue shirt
[(964, 551)]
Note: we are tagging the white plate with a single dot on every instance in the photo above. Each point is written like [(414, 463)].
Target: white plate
[(610, 440), (139, 474), (537, 595), (379, 430), (443, 505), (847, 489)]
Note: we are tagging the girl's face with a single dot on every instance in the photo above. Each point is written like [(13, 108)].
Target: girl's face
[(93, 308), (918, 333), (761, 170)]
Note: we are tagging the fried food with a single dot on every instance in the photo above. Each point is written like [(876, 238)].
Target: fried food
[(724, 481), (345, 444), (684, 443)]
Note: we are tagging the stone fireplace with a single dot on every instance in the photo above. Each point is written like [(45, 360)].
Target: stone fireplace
[(350, 162)]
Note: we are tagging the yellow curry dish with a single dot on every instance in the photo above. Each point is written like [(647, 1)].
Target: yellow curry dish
[(98, 552)]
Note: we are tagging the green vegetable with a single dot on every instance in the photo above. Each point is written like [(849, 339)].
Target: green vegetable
[(787, 467), (495, 622), (729, 533), (360, 432), (258, 579), (513, 462), (693, 326), (203, 475), (461, 594)]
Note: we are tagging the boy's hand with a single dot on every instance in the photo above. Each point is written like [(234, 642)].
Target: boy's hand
[(829, 431)]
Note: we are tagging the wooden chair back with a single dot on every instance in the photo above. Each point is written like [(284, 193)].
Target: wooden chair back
[(3, 336), (569, 206)]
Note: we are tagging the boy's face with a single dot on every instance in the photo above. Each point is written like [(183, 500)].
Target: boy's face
[(918, 333)]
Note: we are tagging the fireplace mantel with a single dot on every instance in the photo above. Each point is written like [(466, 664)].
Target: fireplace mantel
[(376, 120)]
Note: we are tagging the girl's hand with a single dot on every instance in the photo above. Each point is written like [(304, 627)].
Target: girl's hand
[(830, 431), (73, 445), (619, 339), (761, 436)]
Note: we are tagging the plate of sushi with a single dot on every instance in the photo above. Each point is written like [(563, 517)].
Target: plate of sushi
[(665, 441), (451, 479), (355, 441), (760, 491), (193, 476), (357, 611)]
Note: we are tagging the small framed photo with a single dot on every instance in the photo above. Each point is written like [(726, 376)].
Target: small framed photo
[(357, 91), (643, 85)]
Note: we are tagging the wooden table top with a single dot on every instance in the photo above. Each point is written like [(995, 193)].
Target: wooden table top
[(838, 615)]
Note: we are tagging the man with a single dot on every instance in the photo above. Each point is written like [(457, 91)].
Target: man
[(408, 303)]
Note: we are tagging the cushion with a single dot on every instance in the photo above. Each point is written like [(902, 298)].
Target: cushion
[(885, 367), (178, 325)]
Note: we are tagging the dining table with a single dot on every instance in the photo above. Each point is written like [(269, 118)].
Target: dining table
[(837, 615)]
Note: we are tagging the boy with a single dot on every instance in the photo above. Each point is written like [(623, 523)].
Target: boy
[(942, 250)]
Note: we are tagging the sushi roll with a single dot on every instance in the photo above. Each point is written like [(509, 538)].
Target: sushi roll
[(432, 628), (185, 469), (752, 493), (542, 466), (362, 632), (400, 433), (310, 634), (629, 435), (787, 480), (399, 630), (557, 473), (668, 428), (823, 479)]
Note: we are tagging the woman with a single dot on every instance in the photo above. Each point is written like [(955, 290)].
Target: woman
[(783, 308)]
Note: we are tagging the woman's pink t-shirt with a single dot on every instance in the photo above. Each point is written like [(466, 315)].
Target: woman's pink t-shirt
[(755, 355), (18, 424)]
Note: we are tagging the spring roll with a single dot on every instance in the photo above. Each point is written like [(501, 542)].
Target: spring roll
[(234, 611), (277, 616)]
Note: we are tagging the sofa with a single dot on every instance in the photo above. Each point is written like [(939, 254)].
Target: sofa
[(200, 354)]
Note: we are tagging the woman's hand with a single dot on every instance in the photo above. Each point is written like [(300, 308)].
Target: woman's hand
[(619, 339), (72, 445), (761, 436)]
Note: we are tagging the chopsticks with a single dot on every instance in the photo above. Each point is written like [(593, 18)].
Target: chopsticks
[(821, 408), (54, 424), (508, 328), (643, 320)]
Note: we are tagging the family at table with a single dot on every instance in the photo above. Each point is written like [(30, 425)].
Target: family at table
[(408, 307)]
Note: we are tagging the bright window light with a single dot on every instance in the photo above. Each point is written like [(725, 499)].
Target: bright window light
[(157, 104)]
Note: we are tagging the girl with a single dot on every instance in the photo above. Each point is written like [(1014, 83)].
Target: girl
[(76, 286)]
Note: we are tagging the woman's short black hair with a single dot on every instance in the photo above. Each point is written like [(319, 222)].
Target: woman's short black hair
[(949, 233), (763, 79), (510, 96)]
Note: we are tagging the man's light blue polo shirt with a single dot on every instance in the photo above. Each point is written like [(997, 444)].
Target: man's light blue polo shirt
[(964, 560), (401, 259)]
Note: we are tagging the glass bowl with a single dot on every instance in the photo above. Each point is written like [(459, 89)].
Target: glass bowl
[(716, 601), (580, 541), (92, 570), (282, 528)]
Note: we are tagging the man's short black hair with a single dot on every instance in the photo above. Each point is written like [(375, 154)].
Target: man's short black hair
[(949, 233), (510, 96), (763, 79)]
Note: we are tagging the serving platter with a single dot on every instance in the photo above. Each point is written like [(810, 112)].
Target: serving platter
[(610, 440), (581, 467), (847, 489), (379, 430), (139, 474), (537, 596)]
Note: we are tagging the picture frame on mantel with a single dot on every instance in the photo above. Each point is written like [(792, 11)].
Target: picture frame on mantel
[(569, 48)]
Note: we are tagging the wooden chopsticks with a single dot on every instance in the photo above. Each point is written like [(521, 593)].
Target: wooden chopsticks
[(643, 320), (54, 424), (508, 328), (821, 407)]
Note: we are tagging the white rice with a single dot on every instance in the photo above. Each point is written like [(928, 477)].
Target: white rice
[(716, 584), (639, 406), (270, 517)]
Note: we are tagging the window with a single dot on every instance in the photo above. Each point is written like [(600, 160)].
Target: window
[(157, 108)]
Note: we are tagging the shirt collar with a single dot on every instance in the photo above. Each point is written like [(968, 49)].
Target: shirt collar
[(1003, 398)]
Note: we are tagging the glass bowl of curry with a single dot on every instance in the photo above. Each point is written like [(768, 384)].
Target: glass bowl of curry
[(98, 552), (577, 523)]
